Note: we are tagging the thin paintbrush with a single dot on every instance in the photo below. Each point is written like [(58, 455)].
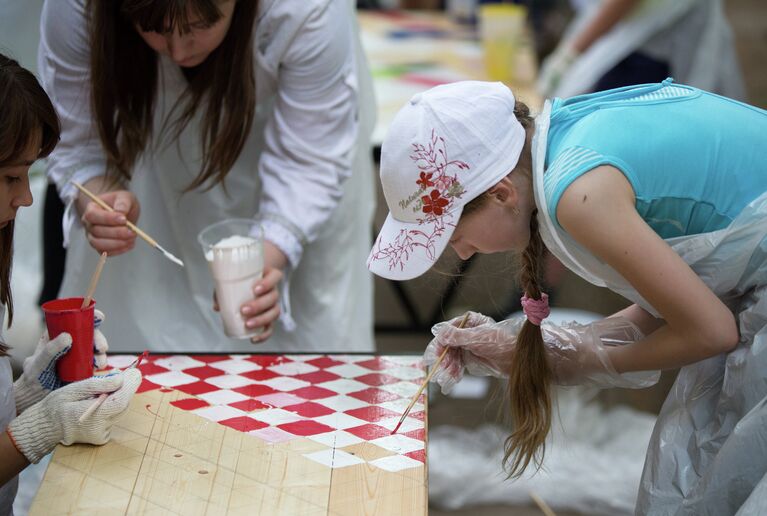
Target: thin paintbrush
[(96, 404), (149, 240), (427, 380)]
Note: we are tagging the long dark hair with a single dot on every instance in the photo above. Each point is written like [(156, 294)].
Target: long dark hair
[(26, 113), (529, 385), (124, 82)]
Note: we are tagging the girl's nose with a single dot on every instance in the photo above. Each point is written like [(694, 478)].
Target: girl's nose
[(463, 251), (175, 43)]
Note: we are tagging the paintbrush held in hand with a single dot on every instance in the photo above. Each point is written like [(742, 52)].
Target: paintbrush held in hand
[(427, 380), (149, 240)]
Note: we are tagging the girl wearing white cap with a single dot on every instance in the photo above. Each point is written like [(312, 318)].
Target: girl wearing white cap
[(194, 111), (36, 412), (658, 192)]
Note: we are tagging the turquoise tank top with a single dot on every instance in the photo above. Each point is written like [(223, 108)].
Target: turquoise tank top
[(694, 159)]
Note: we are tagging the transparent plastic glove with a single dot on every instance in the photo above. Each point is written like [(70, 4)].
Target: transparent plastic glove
[(577, 353), (39, 372), (482, 347), (554, 68), (55, 419)]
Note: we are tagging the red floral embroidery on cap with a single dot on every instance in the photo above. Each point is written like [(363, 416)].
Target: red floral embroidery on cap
[(433, 203), (433, 165), (425, 180)]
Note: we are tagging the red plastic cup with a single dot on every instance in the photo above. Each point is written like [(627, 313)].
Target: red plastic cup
[(65, 315)]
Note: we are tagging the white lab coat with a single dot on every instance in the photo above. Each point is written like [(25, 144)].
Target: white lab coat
[(692, 36), (708, 451), (305, 170)]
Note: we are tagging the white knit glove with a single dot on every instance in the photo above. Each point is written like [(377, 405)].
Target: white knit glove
[(39, 373), (55, 419), (554, 67)]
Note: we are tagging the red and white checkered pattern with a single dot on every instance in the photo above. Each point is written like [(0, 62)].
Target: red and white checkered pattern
[(335, 400)]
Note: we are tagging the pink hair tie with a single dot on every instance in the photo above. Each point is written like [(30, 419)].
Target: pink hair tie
[(536, 310)]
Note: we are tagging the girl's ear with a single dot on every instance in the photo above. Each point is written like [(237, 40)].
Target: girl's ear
[(504, 191)]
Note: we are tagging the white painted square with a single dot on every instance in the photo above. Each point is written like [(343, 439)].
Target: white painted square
[(341, 403), (404, 373), (404, 389), (303, 358), (222, 397), (235, 366), (349, 370), (350, 359), (340, 420), (398, 443), (280, 399), (275, 416), (409, 424), (334, 458), (120, 361), (344, 386), (219, 413), (272, 434), (338, 439), (400, 405), (178, 362), (293, 368), (240, 357), (172, 378), (404, 360), (285, 383), (229, 381), (396, 463)]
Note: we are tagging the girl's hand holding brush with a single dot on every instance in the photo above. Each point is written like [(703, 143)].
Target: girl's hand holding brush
[(106, 230)]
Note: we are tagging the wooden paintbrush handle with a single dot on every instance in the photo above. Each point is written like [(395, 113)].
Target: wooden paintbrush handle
[(149, 240)]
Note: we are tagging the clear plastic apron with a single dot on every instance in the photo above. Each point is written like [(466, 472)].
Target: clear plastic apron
[(708, 452)]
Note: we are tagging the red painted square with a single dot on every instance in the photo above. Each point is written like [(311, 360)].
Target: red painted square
[(260, 375), (418, 415), (324, 362), (369, 432), (209, 359), (146, 385), (148, 368), (374, 396), (309, 409), (268, 360), (376, 364), (317, 377), (305, 428), (254, 390), (372, 413), (189, 403), (197, 388), (313, 393), (419, 434), (376, 379), (243, 423), (249, 405), (419, 455), (203, 372)]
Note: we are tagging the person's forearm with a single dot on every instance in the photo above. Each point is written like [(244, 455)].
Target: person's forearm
[(662, 349), (610, 13), (273, 257), (12, 462), (641, 318)]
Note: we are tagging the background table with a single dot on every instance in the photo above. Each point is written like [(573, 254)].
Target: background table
[(254, 434)]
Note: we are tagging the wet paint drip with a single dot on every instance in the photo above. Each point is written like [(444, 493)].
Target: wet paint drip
[(148, 408)]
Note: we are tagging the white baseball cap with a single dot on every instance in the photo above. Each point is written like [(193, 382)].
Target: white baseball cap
[(446, 147)]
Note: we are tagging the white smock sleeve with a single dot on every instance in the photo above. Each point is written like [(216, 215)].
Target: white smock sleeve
[(309, 138), (64, 68)]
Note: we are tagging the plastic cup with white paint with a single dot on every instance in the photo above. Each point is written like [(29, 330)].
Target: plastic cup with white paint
[(235, 254)]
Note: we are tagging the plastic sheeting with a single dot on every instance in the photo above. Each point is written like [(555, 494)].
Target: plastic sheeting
[(593, 461)]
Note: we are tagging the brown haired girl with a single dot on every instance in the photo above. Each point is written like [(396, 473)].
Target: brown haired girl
[(657, 191), (35, 414), (186, 112)]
